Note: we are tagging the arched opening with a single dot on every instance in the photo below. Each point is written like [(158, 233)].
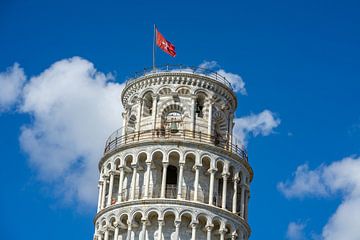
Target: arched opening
[(220, 182), (156, 174), (152, 226), (136, 226), (131, 124), (220, 128), (127, 177), (172, 118), (171, 182), (200, 104), (141, 175), (148, 104), (185, 232), (189, 176), (123, 226), (169, 227), (204, 180)]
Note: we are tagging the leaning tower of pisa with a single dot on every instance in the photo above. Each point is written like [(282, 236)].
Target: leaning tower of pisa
[(174, 169)]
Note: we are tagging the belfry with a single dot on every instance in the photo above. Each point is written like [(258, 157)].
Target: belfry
[(174, 169)]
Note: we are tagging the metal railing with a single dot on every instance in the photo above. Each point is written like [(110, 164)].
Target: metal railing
[(179, 68), (117, 140)]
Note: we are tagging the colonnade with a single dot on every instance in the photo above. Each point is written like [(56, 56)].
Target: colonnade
[(167, 227), (227, 190)]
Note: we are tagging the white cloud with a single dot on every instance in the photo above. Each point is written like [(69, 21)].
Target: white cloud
[(255, 124), (295, 231), (307, 183), (11, 83), (74, 108), (235, 80), (339, 177)]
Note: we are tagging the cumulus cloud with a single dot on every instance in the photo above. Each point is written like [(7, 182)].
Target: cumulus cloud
[(340, 177), (74, 108), (234, 79), (295, 231), (255, 124), (11, 83)]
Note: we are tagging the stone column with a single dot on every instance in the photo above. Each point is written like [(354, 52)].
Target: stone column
[(163, 181), (225, 177), (161, 223), (139, 113), (208, 231), (222, 234), (211, 189), (196, 182), (128, 235), (154, 111), (111, 184), (242, 201), (234, 201), (116, 233), (99, 236), (234, 236), (181, 173), (121, 180), (133, 182), (193, 99), (147, 180), (230, 137), (100, 186), (210, 117), (123, 130), (103, 192), (177, 229), (143, 229), (106, 237), (193, 231)]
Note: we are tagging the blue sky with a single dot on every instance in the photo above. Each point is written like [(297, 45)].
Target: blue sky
[(299, 60)]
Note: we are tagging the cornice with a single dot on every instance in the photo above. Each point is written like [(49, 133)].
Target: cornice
[(176, 203), (188, 143), (191, 79)]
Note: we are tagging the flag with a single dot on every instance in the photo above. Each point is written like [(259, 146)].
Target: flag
[(164, 44)]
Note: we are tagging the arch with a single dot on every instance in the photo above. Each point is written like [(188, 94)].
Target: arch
[(131, 123), (165, 90), (157, 154), (183, 90), (117, 163), (147, 103), (219, 128), (173, 156), (128, 160)]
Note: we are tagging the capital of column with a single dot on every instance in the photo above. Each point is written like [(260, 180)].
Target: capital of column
[(165, 164), (222, 230), (236, 179), (145, 221), (194, 224), (177, 223), (196, 167), (225, 175), (209, 227), (212, 170)]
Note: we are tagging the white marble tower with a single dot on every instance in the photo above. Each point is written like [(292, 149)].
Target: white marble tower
[(174, 170)]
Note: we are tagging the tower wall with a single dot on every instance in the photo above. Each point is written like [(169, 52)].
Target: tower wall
[(174, 170)]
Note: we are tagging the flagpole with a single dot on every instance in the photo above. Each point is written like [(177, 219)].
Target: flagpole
[(154, 39)]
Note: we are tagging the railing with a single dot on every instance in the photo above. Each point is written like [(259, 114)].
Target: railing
[(117, 140), (171, 191), (182, 69)]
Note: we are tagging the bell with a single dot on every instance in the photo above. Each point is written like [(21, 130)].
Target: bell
[(173, 127)]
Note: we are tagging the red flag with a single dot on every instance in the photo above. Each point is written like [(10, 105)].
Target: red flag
[(164, 44)]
